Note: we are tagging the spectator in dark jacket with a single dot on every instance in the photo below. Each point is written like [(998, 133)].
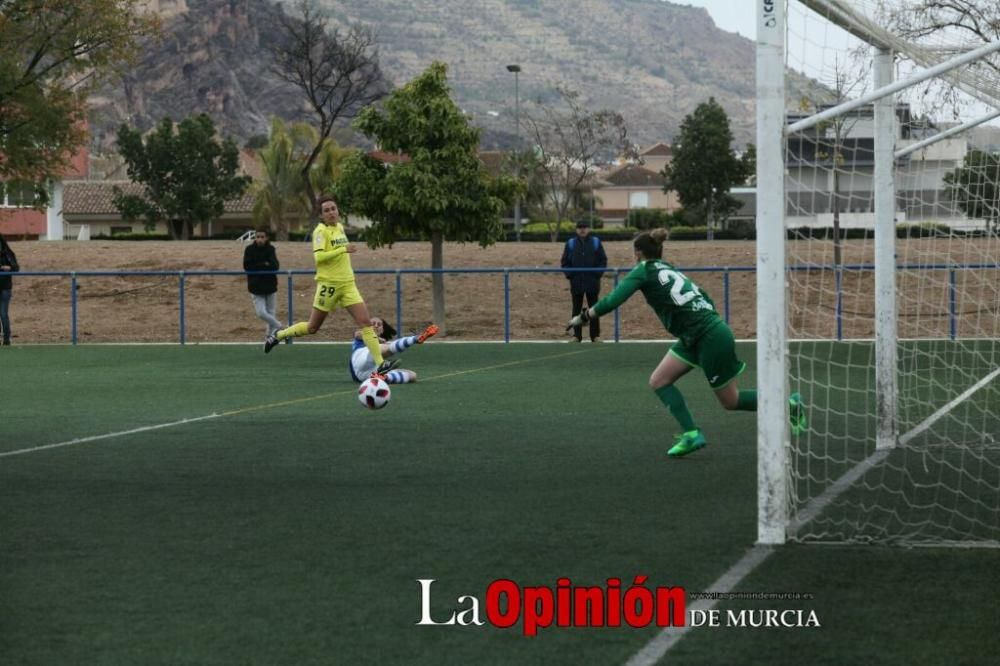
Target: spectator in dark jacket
[(584, 251), (8, 264), (260, 256)]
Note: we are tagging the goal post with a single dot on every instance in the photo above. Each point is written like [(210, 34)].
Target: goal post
[(772, 347), (885, 255), (878, 277)]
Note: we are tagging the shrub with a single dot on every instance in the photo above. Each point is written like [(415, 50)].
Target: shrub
[(651, 218), (543, 227), (923, 230)]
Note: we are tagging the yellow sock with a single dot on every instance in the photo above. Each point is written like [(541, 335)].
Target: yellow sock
[(293, 331), (371, 341)]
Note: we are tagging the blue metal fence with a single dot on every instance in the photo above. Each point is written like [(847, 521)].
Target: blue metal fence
[(616, 274)]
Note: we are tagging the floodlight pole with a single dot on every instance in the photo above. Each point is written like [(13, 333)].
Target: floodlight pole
[(516, 69)]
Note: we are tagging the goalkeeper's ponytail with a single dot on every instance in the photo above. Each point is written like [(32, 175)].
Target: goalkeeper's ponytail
[(650, 243)]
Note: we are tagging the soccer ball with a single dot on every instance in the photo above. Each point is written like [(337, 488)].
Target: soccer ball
[(374, 393)]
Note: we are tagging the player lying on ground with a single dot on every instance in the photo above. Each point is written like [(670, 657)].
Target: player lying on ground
[(704, 340), (362, 365), (335, 285)]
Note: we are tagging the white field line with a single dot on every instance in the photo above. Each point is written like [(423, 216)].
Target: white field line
[(256, 408), (658, 646), (109, 435), (654, 650), (930, 420)]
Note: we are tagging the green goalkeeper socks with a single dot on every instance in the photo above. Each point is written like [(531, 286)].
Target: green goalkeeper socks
[(674, 400), (747, 401)]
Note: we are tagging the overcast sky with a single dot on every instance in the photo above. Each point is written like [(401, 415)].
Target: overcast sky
[(813, 58), (730, 15)]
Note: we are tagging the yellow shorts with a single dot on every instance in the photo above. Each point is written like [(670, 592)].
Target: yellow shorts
[(329, 297)]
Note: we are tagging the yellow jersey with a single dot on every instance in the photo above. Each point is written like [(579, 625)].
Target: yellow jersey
[(333, 263)]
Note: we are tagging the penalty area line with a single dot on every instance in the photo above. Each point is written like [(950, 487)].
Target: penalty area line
[(254, 408), (658, 646)]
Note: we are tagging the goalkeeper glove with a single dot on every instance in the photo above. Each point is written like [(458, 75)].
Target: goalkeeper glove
[(579, 320)]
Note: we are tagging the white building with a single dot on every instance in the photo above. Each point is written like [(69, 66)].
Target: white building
[(830, 167)]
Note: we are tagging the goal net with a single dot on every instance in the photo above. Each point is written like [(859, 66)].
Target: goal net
[(890, 206)]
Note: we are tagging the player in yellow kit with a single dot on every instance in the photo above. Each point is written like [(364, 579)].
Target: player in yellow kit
[(335, 285)]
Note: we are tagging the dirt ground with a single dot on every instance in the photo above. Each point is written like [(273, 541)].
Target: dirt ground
[(217, 308)]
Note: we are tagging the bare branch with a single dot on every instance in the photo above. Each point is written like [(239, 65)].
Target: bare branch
[(569, 143), (337, 72)]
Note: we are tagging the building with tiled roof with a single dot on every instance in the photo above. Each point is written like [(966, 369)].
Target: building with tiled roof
[(656, 156), (91, 204), (18, 217), (632, 186)]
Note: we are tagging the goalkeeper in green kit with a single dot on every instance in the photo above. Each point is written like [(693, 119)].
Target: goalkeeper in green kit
[(704, 340)]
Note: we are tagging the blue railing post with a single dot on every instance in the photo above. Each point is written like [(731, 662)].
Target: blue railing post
[(952, 305), (618, 316), (725, 292), (291, 299), (399, 301), (72, 307), (180, 276), (506, 305), (616, 274), (291, 306), (838, 280)]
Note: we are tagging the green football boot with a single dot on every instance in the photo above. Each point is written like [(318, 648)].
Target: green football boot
[(797, 414), (690, 441)]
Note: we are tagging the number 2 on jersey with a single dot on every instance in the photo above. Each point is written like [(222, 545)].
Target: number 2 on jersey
[(677, 281)]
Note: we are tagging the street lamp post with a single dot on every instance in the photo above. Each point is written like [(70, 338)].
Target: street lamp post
[(517, 148)]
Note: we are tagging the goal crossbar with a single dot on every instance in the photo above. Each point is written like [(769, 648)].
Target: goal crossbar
[(894, 87), (958, 129), (869, 32)]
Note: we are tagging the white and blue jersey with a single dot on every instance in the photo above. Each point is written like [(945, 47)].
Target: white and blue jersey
[(361, 364)]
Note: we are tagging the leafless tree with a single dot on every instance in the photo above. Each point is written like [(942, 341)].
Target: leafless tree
[(831, 135), (570, 142), (962, 18), (337, 71)]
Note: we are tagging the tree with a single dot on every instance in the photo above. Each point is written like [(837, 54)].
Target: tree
[(187, 175), (967, 18), (951, 22), (704, 165), (329, 163), (975, 187), (281, 193), (337, 72), (569, 143), (52, 54), (441, 189), (832, 138)]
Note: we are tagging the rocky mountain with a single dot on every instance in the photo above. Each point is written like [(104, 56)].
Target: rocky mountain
[(653, 61)]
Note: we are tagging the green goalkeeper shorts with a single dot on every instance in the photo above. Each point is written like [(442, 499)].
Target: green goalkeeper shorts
[(715, 353)]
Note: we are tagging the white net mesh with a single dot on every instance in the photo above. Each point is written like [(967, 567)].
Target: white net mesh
[(941, 483)]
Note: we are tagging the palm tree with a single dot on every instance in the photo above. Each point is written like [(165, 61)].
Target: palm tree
[(327, 167), (279, 194), (282, 194)]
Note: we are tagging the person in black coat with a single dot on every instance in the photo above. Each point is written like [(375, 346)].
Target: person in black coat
[(8, 264), (260, 256), (584, 251)]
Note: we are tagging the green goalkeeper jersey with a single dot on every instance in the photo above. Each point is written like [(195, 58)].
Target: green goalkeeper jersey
[(682, 308)]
